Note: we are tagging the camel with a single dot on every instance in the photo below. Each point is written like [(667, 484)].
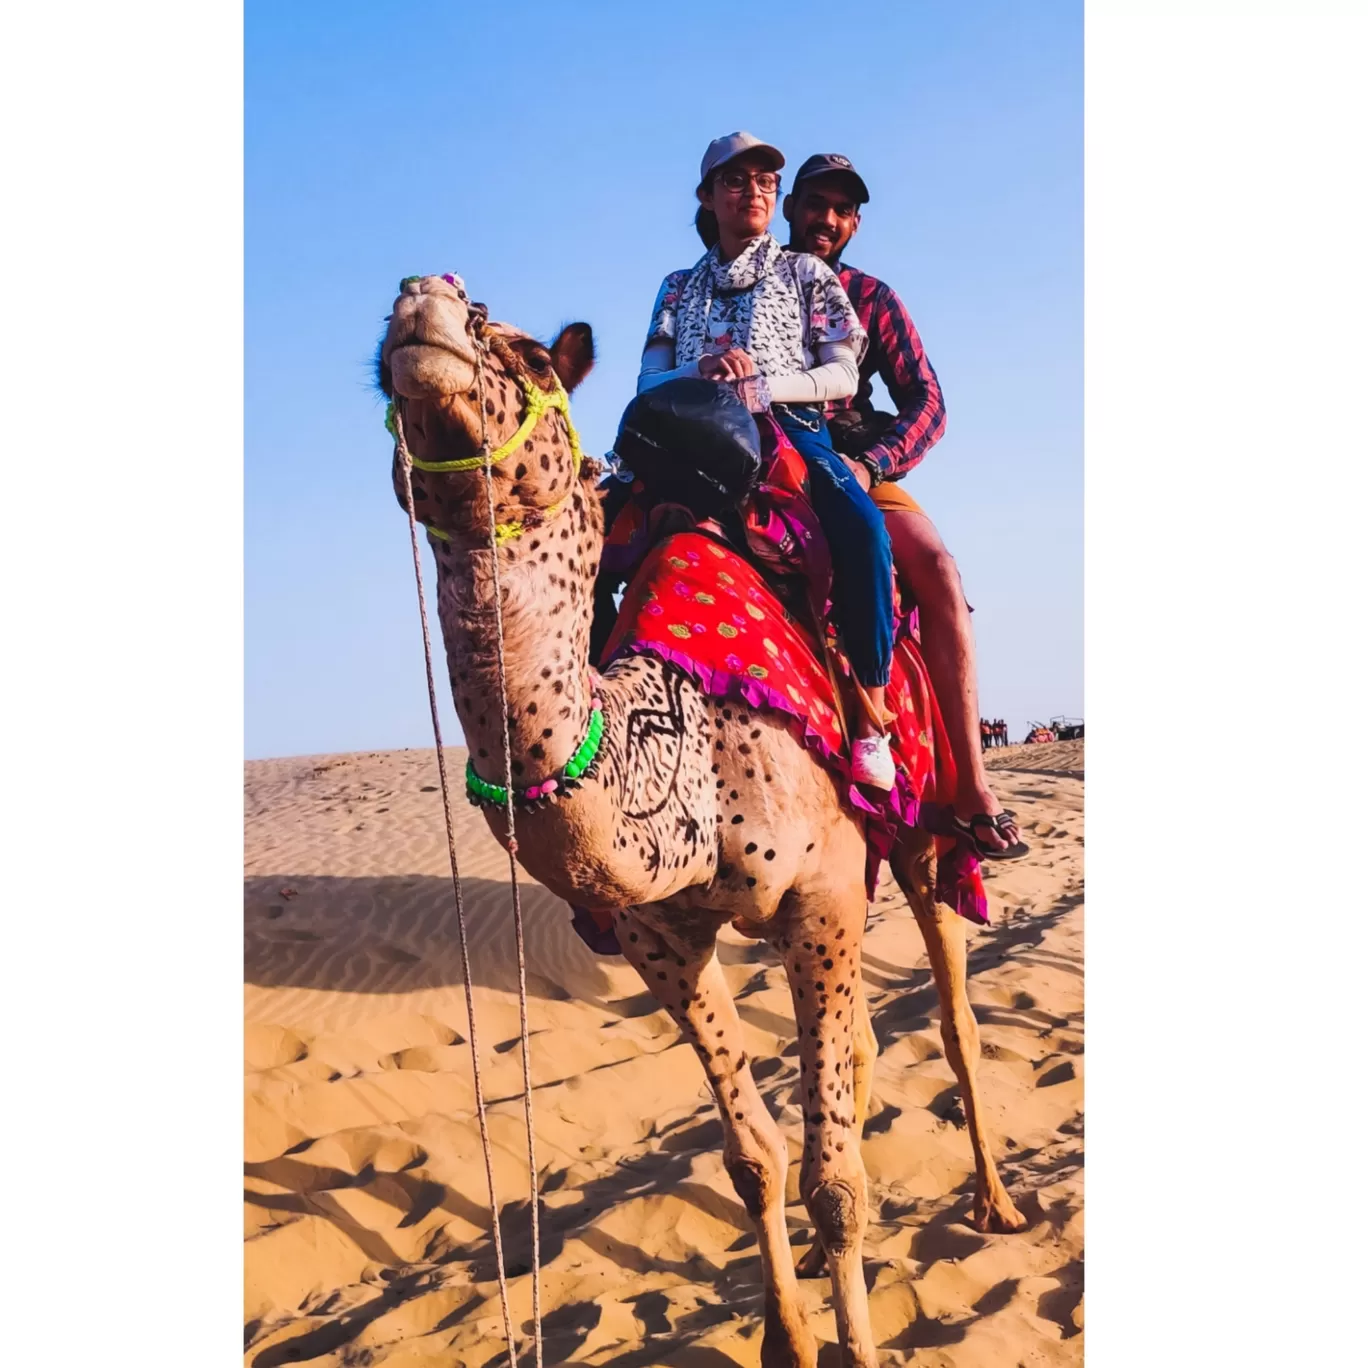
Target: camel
[(695, 813)]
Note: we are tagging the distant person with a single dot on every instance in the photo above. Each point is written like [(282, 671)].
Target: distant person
[(823, 212)]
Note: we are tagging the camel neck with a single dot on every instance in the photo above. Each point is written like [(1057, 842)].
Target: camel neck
[(546, 586)]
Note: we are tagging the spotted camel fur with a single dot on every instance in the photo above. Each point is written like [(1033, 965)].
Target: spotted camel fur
[(698, 813)]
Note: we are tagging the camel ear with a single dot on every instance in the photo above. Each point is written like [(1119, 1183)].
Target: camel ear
[(572, 354)]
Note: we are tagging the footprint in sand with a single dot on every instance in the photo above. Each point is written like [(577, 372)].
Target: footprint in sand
[(1059, 1073), (268, 1047), (396, 954)]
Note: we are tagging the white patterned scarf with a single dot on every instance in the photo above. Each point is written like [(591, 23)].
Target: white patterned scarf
[(778, 306)]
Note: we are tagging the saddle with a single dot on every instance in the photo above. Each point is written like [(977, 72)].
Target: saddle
[(692, 443), (696, 458)]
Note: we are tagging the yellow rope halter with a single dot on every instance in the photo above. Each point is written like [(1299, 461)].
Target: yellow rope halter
[(539, 402)]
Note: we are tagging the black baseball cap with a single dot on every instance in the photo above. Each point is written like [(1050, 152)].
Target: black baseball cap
[(829, 163)]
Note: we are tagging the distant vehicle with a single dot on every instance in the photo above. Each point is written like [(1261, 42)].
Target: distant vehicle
[(1067, 728), (1039, 735)]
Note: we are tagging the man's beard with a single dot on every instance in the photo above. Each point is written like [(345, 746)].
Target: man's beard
[(826, 250)]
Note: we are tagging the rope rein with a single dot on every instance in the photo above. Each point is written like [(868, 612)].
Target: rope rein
[(513, 849), (498, 534)]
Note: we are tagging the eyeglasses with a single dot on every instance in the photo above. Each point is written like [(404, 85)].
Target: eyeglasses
[(766, 182)]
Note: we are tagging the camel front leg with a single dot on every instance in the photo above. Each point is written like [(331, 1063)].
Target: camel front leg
[(944, 934), (866, 1044), (821, 954), (688, 982)]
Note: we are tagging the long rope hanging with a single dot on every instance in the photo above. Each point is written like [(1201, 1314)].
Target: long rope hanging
[(406, 466), (524, 1040)]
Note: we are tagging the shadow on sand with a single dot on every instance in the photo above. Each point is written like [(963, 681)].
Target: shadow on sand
[(400, 935)]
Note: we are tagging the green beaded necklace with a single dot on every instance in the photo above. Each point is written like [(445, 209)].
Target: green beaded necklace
[(578, 768)]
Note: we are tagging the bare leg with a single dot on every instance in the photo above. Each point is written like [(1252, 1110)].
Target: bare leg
[(688, 982), (929, 570), (871, 719), (821, 954), (945, 946)]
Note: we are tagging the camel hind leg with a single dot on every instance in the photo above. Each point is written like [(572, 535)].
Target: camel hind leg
[(943, 931), (683, 975)]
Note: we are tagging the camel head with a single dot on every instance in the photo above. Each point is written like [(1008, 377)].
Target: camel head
[(455, 379)]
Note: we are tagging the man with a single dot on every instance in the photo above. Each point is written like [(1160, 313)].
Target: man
[(823, 213)]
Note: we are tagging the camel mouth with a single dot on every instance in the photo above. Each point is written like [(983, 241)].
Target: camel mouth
[(423, 367), (414, 341)]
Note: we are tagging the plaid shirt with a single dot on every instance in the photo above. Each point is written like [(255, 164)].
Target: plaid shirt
[(896, 353)]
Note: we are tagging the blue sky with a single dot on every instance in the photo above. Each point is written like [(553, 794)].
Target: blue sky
[(548, 153)]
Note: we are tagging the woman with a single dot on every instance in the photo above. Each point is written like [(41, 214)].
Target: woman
[(778, 327)]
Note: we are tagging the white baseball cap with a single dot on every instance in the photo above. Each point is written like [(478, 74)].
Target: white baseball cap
[(722, 150)]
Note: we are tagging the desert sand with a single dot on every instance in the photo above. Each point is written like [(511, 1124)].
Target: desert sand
[(367, 1219)]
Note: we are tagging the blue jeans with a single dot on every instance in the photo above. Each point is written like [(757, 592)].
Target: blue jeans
[(861, 557)]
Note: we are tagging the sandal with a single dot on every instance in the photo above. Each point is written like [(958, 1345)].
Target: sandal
[(1003, 820)]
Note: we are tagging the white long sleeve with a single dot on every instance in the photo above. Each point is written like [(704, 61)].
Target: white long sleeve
[(836, 377), (657, 366)]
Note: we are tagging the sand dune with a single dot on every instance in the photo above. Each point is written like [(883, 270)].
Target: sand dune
[(1053, 757), (367, 1220)]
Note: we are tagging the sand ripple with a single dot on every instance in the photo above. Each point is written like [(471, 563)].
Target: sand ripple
[(367, 1217)]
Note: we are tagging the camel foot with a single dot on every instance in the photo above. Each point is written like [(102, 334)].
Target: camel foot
[(813, 1264), (994, 1213)]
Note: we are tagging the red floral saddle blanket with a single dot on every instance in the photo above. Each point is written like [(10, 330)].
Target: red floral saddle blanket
[(699, 605)]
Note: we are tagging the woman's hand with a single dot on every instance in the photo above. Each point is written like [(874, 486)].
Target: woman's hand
[(728, 365)]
